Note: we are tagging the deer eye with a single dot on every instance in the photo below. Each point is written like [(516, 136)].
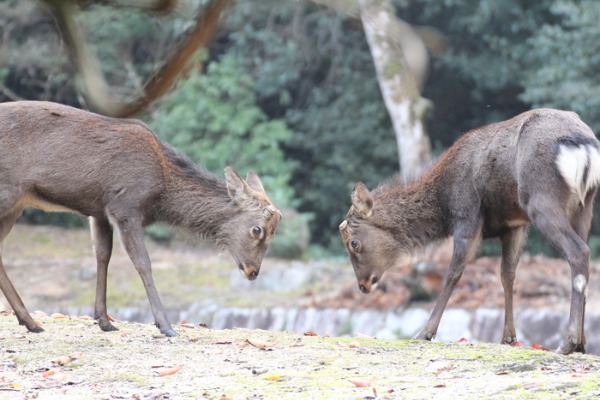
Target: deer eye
[(256, 231), (355, 245)]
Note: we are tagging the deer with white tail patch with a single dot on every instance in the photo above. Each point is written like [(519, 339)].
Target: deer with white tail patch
[(541, 167)]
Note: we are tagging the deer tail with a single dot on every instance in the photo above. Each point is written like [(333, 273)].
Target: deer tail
[(578, 161)]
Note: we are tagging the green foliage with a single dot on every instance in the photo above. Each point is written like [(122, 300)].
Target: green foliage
[(290, 88), (313, 67), (566, 60), (214, 119), (293, 235)]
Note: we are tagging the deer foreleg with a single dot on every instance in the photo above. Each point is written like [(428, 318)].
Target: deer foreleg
[(466, 241), (102, 238), (132, 236), (512, 248), (6, 223)]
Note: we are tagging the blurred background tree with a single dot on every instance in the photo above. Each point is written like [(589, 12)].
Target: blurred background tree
[(289, 88)]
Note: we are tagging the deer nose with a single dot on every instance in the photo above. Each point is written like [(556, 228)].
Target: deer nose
[(369, 285), (251, 273)]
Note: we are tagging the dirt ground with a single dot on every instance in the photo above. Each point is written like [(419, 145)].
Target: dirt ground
[(73, 359)]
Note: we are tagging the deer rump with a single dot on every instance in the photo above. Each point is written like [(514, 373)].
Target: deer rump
[(117, 172), (541, 167)]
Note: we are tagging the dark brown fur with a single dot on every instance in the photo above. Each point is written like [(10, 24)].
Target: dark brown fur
[(492, 183), (118, 173)]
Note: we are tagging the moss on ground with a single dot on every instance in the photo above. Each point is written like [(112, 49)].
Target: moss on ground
[(216, 363)]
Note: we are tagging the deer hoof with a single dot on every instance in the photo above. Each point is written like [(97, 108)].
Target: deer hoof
[(424, 336), (35, 329), (568, 347), (107, 326), (170, 332), (509, 340)]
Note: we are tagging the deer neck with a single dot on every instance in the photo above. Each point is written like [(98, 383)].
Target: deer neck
[(197, 202), (411, 212)]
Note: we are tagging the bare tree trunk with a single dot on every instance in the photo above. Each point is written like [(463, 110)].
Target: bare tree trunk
[(401, 60)]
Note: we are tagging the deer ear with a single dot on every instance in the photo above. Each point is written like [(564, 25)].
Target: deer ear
[(236, 187), (344, 230), (254, 182), (362, 200)]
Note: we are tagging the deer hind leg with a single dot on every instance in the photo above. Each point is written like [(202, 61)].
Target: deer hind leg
[(467, 237), (554, 223), (102, 239), (512, 248), (581, 221), (132, 236), (6, 224)]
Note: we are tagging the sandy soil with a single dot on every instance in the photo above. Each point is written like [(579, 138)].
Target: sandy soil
[(73, 359)]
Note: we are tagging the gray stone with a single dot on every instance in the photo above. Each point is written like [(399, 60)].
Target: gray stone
[(543, 326), (487, 325), (407, 323), (454, 325), (367, 322)]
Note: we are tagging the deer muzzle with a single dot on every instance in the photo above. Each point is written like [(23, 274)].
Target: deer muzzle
[(368, 285), (250, 272)]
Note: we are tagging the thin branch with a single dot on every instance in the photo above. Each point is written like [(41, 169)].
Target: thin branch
[(97, 91), (10, 94)]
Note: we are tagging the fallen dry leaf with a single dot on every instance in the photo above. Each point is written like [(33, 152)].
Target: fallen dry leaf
[(165, 371), (537, 346), (223, 342), (354, 344), (58, 316), (441, 385), (439, 366), (360, 382), (260, 344), (463, 341), (64, 360), (310, 333), (59, 376), (517, 344), (273, 377), (49, 373)]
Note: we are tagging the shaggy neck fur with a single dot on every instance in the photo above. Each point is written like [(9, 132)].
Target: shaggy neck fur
[(196, 200), (412, 211)]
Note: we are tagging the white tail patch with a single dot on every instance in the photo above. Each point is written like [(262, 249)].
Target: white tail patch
[(580, 167)]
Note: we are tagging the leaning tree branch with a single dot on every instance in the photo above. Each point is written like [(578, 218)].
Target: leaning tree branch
[(97, 92)]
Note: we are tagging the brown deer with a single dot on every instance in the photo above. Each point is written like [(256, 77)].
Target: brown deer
[(117, 172), (541, 167)]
